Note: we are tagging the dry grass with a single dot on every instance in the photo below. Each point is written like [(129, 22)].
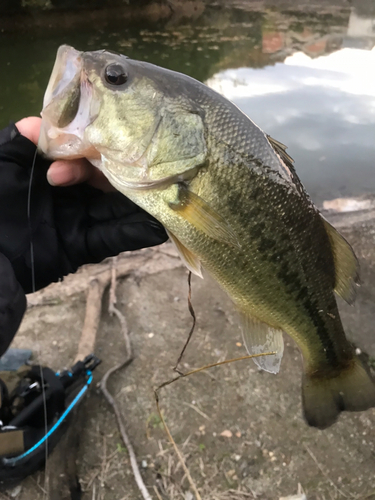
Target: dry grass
[(166, 478)]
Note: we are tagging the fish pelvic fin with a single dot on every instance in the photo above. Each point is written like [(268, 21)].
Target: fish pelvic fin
[(199, 214), (346, 264), (191, 261), (324, 398), (258, 338)]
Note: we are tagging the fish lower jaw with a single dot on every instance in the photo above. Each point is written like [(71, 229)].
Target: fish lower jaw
[(59, 144)]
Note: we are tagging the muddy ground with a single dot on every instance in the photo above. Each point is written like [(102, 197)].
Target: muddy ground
[(240, 430)]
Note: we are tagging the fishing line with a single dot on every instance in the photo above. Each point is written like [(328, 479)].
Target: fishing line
[(33, 288)]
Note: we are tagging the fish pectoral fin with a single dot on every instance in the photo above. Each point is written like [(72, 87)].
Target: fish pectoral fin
[(200, 215), (346, 264), (258, 338), (191, 261)]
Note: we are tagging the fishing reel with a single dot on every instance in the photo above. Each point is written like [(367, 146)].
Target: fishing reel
[(35, 415)]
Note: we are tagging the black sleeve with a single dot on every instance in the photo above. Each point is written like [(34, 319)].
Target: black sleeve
[(12, 304), (16, 159)]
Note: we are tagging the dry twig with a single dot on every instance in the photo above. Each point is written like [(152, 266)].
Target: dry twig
[(92, 318), (325, 474), (103, 385)]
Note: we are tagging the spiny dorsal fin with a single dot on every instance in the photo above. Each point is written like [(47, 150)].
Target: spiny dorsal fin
[(280, 149), (259, 338), (346, 264), (191, 261)]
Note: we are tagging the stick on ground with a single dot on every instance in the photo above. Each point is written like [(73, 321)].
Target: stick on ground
[(103, 385)]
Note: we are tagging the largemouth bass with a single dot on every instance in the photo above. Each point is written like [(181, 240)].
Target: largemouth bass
[(232, 203)]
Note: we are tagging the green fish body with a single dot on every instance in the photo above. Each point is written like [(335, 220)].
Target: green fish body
[(232, 203)]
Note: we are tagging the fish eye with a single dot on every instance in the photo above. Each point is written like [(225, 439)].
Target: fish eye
[(115, 74)]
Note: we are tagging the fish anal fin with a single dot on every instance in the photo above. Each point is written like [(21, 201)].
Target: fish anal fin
[(346, 264), (259, 338), (324, 396), (191, 261), (199, 214)]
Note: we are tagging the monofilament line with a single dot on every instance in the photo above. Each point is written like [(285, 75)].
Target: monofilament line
[(33, 288)]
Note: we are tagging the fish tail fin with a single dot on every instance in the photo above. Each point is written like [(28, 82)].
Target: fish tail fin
[(323, 398)]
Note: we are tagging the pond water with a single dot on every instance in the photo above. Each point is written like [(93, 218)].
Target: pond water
[(305, 77)]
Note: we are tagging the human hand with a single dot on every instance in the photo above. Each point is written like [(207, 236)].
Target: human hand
[(65, 172), (69, 226), (72, 222)]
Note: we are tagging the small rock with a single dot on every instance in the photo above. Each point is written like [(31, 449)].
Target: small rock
[(16, 491), (300, 495), (227, 433), (144, 464), (189, 495)]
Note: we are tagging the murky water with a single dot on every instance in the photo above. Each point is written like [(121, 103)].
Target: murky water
[(306, 78)]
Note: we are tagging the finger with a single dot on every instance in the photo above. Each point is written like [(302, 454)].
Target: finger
[(99, 180), (138, 230), (111, 207), (68, 173), (30, 127)]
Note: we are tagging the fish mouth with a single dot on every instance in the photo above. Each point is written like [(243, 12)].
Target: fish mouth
[(69, 107)]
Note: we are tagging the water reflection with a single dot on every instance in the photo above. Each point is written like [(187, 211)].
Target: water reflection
[(323, 108), (304, 76)]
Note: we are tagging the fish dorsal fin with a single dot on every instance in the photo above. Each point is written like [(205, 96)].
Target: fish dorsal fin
[(346, 264), (258, 338), (200, 215), (280, 149), (191, 261)]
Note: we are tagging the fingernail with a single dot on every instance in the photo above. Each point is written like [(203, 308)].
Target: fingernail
[(50, 178)]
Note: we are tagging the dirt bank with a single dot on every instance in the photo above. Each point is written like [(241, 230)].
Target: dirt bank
[(240, 430)]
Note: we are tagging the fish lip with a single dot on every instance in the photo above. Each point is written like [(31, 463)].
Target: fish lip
[(69, 142), (68, 61)]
